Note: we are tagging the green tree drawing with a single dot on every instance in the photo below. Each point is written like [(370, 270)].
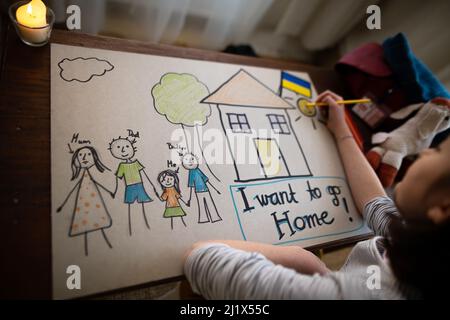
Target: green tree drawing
[(178, 97)]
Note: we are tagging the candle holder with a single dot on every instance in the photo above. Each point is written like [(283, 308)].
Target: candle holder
[(32, 36)]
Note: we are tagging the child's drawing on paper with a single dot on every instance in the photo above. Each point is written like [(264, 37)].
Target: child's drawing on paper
[(171, 194), (198, 182), (90, 213), (220, 156), (178, 97), (250, 109), (130, 170)]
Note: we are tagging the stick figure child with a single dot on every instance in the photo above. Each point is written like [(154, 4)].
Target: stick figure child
[(89, 213), (130, 170), (171, 194), (198, 182)]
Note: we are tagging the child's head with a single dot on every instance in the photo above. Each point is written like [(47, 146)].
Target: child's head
[(424, 192), (169, 178), (84, 158), (122, 148), (418, 243), (190, 161)]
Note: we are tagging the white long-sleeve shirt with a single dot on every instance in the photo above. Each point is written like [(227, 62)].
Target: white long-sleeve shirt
[(217, 271)]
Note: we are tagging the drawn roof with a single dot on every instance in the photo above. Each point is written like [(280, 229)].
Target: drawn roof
[(243, 89)]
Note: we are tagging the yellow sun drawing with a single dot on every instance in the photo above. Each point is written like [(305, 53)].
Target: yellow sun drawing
[(307, 111)]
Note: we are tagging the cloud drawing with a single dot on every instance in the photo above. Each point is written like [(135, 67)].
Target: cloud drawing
[(83, 69)]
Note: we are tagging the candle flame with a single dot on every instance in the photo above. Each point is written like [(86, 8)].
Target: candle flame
[(29, 9)]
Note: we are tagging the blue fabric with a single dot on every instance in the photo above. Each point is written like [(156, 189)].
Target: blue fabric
[(198, 180), (135, 192), (412, 74)]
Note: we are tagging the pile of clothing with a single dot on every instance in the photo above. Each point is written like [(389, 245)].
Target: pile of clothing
[(407, 101)]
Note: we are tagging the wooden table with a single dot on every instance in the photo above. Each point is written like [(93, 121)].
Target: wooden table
[(25, 146)]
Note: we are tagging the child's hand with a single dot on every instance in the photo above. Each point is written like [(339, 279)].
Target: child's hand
[(336, 113)]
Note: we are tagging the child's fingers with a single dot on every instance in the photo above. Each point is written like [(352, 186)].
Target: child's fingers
[(321, 97), (331, 102), (333, 95), (324, 111), (335, 111), (330, 95)]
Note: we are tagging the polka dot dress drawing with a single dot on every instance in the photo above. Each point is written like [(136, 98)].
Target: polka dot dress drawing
[(90, 213)]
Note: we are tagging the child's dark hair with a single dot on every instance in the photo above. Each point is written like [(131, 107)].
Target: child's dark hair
[(173, 174), (419, 253), (76, 168)]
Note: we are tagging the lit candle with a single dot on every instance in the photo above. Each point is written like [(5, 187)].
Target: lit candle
[(32, 22), (32, 14)]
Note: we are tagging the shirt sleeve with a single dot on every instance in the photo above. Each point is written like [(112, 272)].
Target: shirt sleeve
[(164, 195), (217, 271), (120, 172), (378, 213), (204, 176), (139, 166)]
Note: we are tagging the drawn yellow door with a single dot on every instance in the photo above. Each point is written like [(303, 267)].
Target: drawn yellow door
[(270, 158)]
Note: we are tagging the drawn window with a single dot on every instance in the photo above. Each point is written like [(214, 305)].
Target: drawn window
[(239, 122), (278, 123)]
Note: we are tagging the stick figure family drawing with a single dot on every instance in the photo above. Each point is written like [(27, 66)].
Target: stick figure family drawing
[(90, 213)]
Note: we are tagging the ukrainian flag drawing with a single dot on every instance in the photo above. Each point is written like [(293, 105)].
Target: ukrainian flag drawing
[(296, 84)]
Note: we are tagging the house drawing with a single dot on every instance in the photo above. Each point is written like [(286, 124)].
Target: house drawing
[(258, 130)]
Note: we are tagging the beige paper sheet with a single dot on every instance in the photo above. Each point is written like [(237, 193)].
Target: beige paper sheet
[(99, 95)]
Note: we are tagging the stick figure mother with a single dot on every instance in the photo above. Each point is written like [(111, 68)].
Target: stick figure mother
[(89, 212)]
